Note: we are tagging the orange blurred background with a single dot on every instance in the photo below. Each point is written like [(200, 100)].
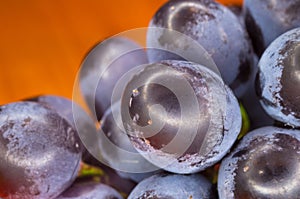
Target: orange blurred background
[(44, 41)]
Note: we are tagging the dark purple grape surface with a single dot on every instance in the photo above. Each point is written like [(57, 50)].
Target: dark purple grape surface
[(180, 115), (103, 66), (90, 190), (173, 186), (40, 152), (265, 164), (278, 79), (268, 19), (214, 27)]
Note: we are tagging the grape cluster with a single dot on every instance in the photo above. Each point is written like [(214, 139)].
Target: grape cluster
[(210, 108)]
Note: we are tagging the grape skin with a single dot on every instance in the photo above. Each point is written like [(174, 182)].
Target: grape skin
[(278, 81), (268, 19), (66, 108), (265, 164), (215, 28), (173, 186), (41, 150), (217, 124), (77, 117)]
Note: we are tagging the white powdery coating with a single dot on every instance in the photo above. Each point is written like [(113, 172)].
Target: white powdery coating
[(232, 127), (229, 165), (167, 161), (224, 112), (226, 176), (172, 186), (224, 109), (270, 76)]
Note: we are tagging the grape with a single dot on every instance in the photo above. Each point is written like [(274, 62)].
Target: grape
[(214, 27), (180, 115), (102, 68), (90, 190), (278, 79), (63, 107), (82, 122), (265, 164), (86, 127), (268, 19), (171, 186), (118, 151), (40, 152)]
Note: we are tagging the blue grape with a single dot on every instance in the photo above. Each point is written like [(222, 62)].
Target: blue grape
[(180, 115), (40, 152), (215, 28), (77, 118), (278, 79), (265, 164), (171, 186), (268, 19)]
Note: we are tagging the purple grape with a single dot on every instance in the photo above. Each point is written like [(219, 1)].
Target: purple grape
[(278, 79), (171, 186), (180, 115), (215, 28), (72, 112), (90, 190), (77, 117), (265, 164), (103, 66), (268, 19), (40, 152)]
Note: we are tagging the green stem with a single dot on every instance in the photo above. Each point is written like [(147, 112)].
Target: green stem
[(245, 122)]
